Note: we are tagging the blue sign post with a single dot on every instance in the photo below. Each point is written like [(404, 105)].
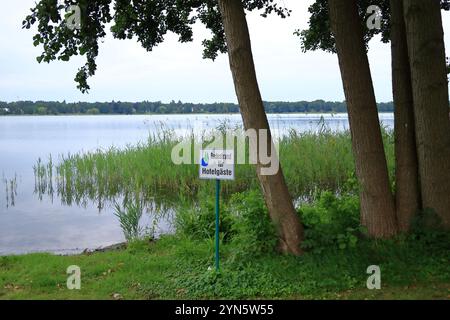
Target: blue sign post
[(217, 165)]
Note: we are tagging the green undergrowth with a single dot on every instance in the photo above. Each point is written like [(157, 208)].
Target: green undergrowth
[(175, 267)]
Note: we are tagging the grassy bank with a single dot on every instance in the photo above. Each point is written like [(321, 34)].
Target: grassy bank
[(177, 268)]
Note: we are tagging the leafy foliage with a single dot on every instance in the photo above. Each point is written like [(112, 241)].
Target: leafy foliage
[(448, 66), (331, 221), (147, 21), (244, 221), (253, 231), (198, 221), (319, 35), (60, 42), (427, 228), (445, 5)]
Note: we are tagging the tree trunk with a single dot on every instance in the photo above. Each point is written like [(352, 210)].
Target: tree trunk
[(276, 194), (377, 202), (431, 102), (407, 196)]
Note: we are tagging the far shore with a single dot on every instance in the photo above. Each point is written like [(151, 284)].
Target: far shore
[(168, 114)]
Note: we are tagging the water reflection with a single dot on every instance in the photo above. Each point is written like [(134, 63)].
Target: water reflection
[(154, 217), (84, 191)]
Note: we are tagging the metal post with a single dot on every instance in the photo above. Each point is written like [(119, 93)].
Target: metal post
[(217, 222)]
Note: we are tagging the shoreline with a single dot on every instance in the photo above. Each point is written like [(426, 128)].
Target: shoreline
[(70, 252)]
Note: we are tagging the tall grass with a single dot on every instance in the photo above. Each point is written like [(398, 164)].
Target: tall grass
[(129, 218), (311, 161)]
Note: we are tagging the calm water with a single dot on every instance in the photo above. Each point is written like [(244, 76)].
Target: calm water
[(30, 224)]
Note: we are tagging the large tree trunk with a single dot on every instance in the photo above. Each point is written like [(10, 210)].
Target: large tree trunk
[(377, 202), (431, 107), (276, 194), (407, 196)]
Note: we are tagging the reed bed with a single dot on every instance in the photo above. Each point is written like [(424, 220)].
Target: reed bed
[(311, 161)]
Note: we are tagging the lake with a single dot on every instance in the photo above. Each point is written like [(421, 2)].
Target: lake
[(30, 223)]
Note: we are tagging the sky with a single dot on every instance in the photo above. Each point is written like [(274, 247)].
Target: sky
[(174, 71)]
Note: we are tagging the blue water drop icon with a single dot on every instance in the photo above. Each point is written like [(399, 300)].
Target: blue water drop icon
[(205, 160)]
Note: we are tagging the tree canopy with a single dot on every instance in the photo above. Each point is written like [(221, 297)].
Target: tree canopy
[(319, 35), (147, 21)]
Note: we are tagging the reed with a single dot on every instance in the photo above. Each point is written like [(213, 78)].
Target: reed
[(130, 216), (311, 161)]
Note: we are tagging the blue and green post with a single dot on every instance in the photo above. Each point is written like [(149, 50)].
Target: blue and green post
[(217, 222)]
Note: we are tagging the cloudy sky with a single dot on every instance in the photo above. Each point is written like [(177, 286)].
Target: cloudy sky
[(174, 71)]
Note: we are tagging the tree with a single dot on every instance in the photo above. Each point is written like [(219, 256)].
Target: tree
[(377, 204), (41, 110), (93, 111), (274, 187), (431, 102), (407, 193), (319, 36), (149, 21)]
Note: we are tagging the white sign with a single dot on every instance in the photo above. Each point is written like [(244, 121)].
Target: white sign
[(217, 164)]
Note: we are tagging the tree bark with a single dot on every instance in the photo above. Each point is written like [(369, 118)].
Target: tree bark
[(407, 195), (431, 102), (377, 202), (276, 194)]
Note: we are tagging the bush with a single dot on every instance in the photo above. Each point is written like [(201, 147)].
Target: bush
[(197, 220), (252, 230), (331, 221), (244, 221), (427, 228)]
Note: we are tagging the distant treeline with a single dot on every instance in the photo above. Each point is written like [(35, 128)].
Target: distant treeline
[(146, 107)]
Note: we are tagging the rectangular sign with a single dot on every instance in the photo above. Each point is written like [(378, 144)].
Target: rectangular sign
[(217, 164)]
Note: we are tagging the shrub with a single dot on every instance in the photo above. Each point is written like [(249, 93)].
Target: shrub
[(244, 221), (331, 221), (427, 228), (252, 230), (197, 220)]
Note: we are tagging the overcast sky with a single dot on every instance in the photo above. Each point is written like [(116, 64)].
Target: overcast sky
[(174, 71)]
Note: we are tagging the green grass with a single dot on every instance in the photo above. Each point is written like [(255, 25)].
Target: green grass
[(177, 268)]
